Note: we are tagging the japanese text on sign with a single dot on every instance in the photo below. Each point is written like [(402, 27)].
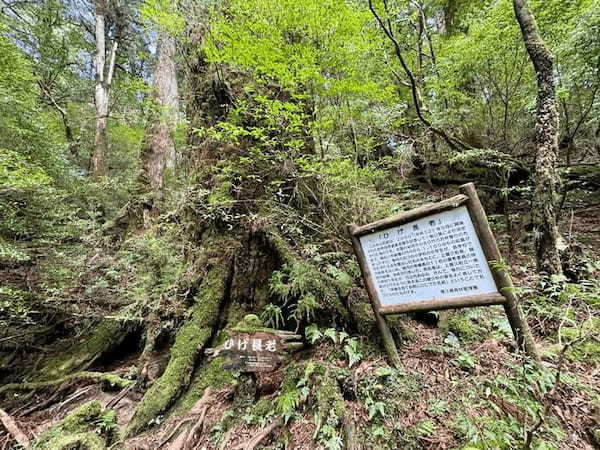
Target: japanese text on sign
[(257, 345), (437, 257)]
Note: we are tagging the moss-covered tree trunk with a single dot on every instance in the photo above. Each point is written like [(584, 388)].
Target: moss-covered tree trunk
[(192, 338), (545, 194)]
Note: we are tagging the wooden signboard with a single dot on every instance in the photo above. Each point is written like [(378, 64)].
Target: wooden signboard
[(258, 351), (438, 256)]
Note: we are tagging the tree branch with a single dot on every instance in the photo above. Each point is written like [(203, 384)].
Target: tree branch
[(452, 141)]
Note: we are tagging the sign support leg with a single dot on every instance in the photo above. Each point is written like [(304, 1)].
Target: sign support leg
[(388, 339), (517, 320), (384, 329)]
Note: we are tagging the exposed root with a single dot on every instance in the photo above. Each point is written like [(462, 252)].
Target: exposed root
[(252, 443), (197, 413), (189, 343), (350, 432), (117, 398), (102, 338), (151, 335), (108, 379), (14, 430), (43, 404)]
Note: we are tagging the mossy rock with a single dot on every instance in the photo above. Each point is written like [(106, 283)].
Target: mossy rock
[(78, 441), (78, 430), (458, 324)]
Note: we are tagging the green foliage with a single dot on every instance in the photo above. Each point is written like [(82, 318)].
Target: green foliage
[(164, 14), (352, 349), (303, 289), (272, 316), (522, 388), (295, 389)]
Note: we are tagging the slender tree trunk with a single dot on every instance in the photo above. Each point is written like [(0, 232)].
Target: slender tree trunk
[(101, 92), (158, 153), (546, 234)]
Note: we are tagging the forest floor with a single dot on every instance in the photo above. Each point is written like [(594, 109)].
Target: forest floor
[(460, 380)]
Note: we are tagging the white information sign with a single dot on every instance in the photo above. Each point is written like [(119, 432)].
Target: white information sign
[(436, 257)]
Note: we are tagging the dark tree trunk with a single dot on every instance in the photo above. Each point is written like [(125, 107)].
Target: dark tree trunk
[(546, 234)]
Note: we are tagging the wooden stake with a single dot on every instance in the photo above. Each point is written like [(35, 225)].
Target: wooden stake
[(503, 280), (386, 334)]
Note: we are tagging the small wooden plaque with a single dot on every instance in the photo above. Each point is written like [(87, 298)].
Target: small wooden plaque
[(258, 351)]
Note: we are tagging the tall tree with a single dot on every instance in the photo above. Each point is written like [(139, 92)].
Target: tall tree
[(546, 234), (158, 153), (104, 77)]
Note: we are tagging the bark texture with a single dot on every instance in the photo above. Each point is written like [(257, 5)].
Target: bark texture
[(158, 153), (546, 235), (191, 340), (104, 75)]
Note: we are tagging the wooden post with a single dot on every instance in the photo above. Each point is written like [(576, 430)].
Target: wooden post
[(502, 277), (386, 334)]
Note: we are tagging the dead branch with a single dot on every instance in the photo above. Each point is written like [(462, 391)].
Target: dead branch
[(14, 430)]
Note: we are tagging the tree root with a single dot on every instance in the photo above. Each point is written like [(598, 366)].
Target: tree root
[(252, 443), (109, 379), (189, 344), (186, 439), (13, 429), (103, 337)]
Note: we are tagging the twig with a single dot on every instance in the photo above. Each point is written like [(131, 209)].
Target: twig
[(45, 402), (73, 397)]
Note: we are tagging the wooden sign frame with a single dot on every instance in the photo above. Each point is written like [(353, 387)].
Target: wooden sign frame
[(506, 292)]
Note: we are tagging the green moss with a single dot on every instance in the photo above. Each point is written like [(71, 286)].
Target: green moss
[(586, 349), (212, 375), (78, 441), (220, 194), (104, 336), (596, 434), (109, 382), (189, 342), (251, 323), (78, 429), (458, 324), (262, 408), (330, 407), (330, 403), (399, 327)]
